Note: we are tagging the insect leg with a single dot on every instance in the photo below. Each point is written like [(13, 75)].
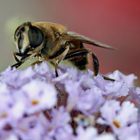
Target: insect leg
[(19, 62), (95, 64), (16, 65), (96, 67), (107, 78), (55, 67), (15, 56), (23, 58), (56, 60), (56, 72)]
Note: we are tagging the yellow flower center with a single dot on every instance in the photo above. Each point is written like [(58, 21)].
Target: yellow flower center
[(35, 102), (116, 123)]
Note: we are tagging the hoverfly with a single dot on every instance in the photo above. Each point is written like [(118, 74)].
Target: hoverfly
[(54, 43)]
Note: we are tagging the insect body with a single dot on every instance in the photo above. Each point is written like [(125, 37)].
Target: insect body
[(54, 43)]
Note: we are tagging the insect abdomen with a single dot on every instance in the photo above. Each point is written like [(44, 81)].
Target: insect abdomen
[(78, 57), (80, 62)]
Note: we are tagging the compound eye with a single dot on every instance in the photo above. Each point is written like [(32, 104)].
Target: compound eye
[(36, 36)]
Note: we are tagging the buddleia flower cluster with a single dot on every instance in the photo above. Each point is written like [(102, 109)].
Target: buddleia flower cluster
[(76, 105)]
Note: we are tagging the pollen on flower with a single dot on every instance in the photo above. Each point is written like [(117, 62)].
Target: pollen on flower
[(116, 123), (35, 102), (73, 106)]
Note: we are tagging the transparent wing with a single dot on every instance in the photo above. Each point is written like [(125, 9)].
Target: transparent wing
[(75, 36)]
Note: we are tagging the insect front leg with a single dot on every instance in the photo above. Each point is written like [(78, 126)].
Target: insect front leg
[(56, 60), (16, 65), (22, 59), (19, 62), (15, 54)]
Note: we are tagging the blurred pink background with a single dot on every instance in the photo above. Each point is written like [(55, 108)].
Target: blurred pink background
[(114, 22)]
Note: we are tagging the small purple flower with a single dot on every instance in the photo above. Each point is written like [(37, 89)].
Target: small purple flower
[(59, 126), (121, 118), (40, 95)]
